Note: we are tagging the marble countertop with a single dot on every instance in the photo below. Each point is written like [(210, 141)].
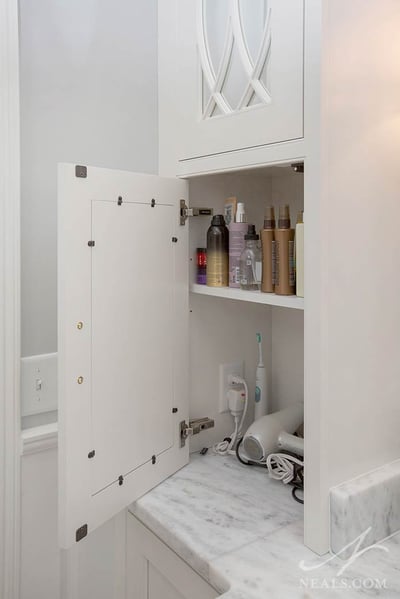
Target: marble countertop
[(243, 533)]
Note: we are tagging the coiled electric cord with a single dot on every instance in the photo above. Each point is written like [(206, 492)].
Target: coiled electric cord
[(281, 466)]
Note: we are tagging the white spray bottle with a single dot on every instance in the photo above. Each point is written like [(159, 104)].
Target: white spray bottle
[(261, 403)]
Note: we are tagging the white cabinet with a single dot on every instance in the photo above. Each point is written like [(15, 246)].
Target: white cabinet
[(351, 311), (126, 350), (349, 148), (132, 368), (239, 73), (123, 341), (156, 572)]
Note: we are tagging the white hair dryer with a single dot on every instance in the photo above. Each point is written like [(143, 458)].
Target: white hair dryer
[(273, 432)]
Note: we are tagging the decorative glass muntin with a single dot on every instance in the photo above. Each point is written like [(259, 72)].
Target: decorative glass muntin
[(234, 44)]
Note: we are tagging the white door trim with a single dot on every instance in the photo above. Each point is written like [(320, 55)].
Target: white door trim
[(10, 300)]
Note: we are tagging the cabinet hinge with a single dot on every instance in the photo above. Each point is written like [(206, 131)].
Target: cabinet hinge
[(153, 203), (91, 243), (81, 533), (194, 427), (119, 201), (153, 459), (298, 167), (120, 480), (185, 212)]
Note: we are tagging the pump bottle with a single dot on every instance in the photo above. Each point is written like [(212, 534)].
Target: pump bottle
[(283, 249)]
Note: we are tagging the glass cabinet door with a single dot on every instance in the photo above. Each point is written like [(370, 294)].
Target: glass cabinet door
[(241, 60)]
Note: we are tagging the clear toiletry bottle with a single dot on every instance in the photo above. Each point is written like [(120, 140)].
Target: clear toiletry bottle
[(250, 261), (237, 231)]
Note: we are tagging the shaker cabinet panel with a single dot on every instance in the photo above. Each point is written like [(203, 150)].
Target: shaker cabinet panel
[(123, 341), (240, 76), (126, 310), (154, 571), (160, 587)]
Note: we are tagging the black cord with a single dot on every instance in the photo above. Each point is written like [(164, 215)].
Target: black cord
[(294, 494), (298, 482), (242, 461), (238, 444)]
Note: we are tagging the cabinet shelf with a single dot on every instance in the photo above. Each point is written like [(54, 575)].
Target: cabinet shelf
[(257, 297)]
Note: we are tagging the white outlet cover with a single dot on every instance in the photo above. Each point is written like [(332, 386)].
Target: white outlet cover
[(38, 384), (236, 368)]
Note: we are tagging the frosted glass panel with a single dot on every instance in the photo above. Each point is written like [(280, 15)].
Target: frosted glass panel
[(234, 43), (216, 21), (253, 15), (236, 79)]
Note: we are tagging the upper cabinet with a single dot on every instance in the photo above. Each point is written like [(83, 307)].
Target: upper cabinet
[(240, 74)]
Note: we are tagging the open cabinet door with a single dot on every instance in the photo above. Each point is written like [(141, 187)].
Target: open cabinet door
[(123, 340)]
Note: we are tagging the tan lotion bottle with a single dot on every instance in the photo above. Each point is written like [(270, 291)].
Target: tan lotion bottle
[(300, 255), (283, 250), (267, 241)]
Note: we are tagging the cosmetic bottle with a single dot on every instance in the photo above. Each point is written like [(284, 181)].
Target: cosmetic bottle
[(250, 261), (283, 251), (237, 231), (299, 239), (201, 264), (267, 239), (217, 252)]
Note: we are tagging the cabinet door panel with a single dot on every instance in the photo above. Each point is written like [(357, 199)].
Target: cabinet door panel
[(123, 341), (154, 571), (160, 587), (132, 336), (240, 80)]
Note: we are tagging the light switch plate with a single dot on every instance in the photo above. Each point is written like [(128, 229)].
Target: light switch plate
[(225, 370), (38, 384)]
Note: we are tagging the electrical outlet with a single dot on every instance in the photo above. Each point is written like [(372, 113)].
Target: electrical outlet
[(226, 370), (38, 384)]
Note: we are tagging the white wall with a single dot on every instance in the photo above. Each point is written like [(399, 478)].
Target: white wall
[(89, 96)]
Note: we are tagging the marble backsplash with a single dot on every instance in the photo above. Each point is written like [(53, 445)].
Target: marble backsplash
[(365, 510)]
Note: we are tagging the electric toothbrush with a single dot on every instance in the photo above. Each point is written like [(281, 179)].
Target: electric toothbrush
[(261, 404)]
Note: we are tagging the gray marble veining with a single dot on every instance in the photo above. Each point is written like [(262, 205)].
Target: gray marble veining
[(368, 505), (244, 534), (214, 505), (271, 568)]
